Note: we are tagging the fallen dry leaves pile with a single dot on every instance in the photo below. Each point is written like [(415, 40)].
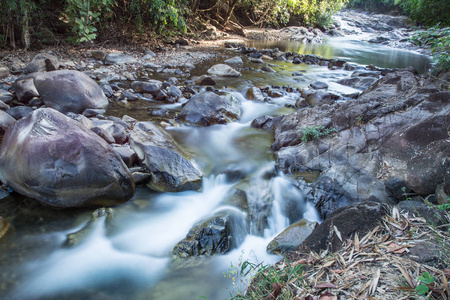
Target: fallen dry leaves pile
[(375, 266)]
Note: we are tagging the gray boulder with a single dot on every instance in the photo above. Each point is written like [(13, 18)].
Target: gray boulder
[(19, 112), (25, 89), (152, 87), (208, 108), (6, 96), (169, 165), (52, 158), (41, 63), (5, 121), (320, 98), (223, 71), (119, 58), (70, 91), (291, 237), (237, 60)]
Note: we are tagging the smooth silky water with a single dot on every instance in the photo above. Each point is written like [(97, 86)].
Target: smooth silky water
[(127, 255)]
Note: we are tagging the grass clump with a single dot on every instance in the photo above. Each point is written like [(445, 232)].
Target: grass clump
[(269, 282), (317, 132)]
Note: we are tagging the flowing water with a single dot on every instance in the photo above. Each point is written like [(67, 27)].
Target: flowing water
[(126, 255)]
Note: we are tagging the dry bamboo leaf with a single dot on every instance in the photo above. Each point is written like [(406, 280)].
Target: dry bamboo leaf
[(328, 263), (407, 277), (350, 256), (365, 286), (395, 213), (369, 235), (374, 283), (338, 233), (325, 285), (356, 242), (445, 283), (338, 271)]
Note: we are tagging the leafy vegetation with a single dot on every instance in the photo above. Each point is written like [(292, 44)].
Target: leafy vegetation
[(439, 41), (425, 282), (314, 133)]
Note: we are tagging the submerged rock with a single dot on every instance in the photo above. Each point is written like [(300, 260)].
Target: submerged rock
[(100, 214), (291, 237), (218, 234), (52, 158), (169, 166), (70, 91), (208, 108)]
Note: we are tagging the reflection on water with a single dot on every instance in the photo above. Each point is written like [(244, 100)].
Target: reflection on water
[(353, 50)]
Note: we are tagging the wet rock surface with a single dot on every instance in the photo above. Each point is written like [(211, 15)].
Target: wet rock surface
[(219, 234), (291, 237), (171, 170), (387, 132)]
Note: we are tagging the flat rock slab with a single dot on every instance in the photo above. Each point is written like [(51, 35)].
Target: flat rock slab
[(119, 58)]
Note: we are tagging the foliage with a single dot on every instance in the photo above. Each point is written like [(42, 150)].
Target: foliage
[(159, 13), (314, 133), (268, 280), (427, 12), (426, 281), (82, 15), (315, 12), (439, 41), (373, 5), (445, 206)]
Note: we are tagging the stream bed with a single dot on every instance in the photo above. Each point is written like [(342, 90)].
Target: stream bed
[(126, 253)]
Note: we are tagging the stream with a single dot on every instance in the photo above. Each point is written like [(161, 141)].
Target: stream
[(129, 257)]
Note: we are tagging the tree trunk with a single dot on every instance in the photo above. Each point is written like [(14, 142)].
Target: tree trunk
[(230, 12), (25, 29)]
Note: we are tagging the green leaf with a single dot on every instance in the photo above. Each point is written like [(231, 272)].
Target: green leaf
[(426, 278), (422, 289)]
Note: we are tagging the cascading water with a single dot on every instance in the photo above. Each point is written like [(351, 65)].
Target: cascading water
[(128, 255)]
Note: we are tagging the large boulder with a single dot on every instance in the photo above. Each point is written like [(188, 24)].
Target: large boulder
[(208, 108), (343, 224), (70, 91), (169, 165), (52, 158), (25, 89)]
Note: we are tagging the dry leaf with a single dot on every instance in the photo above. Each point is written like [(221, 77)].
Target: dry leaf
[(356, 242), (374, 283), (407, 277), (338, 233), (326, 285)]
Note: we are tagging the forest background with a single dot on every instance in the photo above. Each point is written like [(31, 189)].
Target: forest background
[(27, 23)]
